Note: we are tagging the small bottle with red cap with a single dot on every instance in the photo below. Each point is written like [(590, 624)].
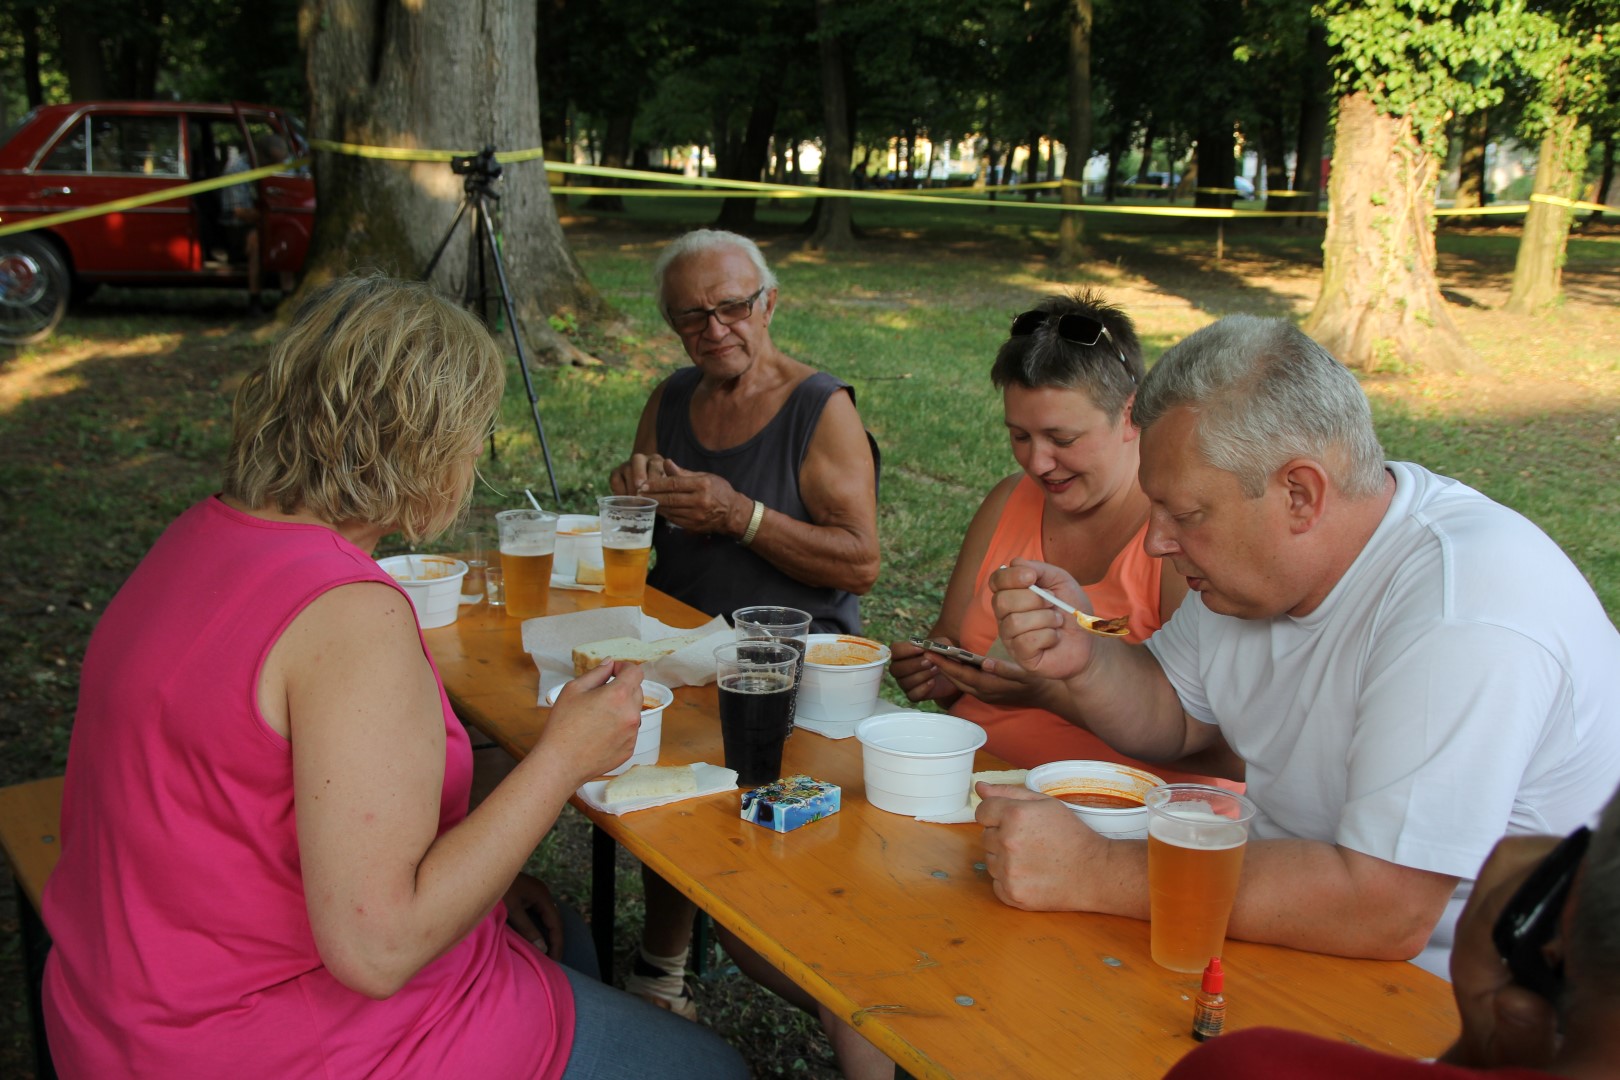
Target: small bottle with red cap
[(1209, 1010)]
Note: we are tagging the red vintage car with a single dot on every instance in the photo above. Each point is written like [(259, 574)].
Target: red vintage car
[(62, 157)]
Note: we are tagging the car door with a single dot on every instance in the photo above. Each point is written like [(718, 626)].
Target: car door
[(287, 198), (105, 155)]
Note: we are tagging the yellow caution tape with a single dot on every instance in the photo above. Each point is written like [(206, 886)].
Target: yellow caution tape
[(161, 195), (1573, 204)]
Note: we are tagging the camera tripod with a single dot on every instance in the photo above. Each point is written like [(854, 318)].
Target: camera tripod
[(481, 171)]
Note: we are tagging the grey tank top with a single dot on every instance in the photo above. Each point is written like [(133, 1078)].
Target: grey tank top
[(714, 573)]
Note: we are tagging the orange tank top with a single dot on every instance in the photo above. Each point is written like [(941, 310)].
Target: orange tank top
[(1027, 737)]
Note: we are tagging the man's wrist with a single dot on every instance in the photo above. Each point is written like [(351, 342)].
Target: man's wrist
[(756, 515)]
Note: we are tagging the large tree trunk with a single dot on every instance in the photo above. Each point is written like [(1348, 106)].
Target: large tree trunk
[(28, 29), (834, 225), (436, 75), (1380, 307), (1072, 227), (1538, 275), (1476, 133)]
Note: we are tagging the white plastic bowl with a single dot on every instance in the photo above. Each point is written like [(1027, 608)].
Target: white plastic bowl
[(838, 693), (651, 732), (433, 582), (1059, 778), (918, 763)]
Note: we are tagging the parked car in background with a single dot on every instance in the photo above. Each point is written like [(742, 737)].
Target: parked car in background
[(64, 157)]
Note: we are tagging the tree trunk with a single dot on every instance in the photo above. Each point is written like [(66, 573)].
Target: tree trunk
[(1315, 76), (1605, 178), (834, 227), (1380, 307), (1032, 167), (615, 155), (1149, 133), (1216, 168), (1072, 227), (933, 156), (1476, 132), (747, 161), (28, 29), (439, 75), (551, 59), (82, 58), (1538, 275)]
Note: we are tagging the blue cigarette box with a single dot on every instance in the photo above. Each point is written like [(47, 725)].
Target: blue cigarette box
[(784, 805)]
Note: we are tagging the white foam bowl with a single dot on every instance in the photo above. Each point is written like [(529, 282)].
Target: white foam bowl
[(651, 732), (838, 693), (918, 763), (433, 582), (1058, 778)]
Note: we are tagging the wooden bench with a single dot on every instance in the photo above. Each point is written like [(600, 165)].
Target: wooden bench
[(30, 827)]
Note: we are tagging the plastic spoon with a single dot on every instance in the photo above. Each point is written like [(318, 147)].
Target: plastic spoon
[(1106, 627)]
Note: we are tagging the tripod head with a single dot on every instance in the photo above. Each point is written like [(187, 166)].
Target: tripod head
[(480, 169)]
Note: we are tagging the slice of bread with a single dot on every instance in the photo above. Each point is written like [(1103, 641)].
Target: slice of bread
[(993, 776), (595, 653), (650, 782), (587, 574)]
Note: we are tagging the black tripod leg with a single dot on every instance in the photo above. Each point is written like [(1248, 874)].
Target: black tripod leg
[(448, 233), (523, 360)]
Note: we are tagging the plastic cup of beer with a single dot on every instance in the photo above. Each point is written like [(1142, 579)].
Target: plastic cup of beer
[(528, 545), (1196, 835), (627, 530), (783, 624), (756, 692)]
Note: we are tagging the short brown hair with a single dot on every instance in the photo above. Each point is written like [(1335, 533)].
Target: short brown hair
[(365, 407), (1043, 360)]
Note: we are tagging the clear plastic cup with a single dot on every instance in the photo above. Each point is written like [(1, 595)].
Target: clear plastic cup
[(1196, 836), (627, 528)]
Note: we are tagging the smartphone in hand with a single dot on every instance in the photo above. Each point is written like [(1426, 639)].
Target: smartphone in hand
[(953, 652), (1529, 922)]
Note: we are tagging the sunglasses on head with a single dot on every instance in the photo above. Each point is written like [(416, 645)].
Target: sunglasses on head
[(1074, 328)]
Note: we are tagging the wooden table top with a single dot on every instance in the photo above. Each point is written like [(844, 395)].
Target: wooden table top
[(892, 924)]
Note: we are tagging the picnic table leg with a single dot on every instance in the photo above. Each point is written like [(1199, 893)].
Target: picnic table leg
[(604, 854)]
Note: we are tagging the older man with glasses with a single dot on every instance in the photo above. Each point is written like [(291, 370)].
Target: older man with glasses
[(766, 484)]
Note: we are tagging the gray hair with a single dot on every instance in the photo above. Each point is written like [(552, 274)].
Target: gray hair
[(1265, 393), (1594, 930), (699, 241), (1042, 360)]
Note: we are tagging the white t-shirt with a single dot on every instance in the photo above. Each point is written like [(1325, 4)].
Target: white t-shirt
[(1460, 682)]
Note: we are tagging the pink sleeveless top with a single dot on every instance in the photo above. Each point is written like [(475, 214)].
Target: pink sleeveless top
[(182, 945), (1025, 736)]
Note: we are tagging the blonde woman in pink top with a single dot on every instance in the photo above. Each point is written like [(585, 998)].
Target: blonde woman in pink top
[(1068, 373), (268, 864)]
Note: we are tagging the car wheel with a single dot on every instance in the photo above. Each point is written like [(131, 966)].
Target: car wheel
[(34, 288)]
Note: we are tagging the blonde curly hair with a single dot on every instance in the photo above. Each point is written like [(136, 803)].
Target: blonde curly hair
[(367, 409)]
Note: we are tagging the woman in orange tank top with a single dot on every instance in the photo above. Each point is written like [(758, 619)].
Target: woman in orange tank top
[(1068, 374)]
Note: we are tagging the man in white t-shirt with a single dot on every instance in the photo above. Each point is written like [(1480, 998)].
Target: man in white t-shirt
[(1408, 669)]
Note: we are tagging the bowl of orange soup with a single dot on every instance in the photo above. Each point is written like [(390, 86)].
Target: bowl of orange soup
[(1107, 797), (841, 677), (655, 698)]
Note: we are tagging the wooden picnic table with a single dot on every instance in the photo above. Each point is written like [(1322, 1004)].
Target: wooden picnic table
[(892, 923)]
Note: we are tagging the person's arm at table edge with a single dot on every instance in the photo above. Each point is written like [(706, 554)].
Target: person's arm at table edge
[(838, 547), (1304, 894)]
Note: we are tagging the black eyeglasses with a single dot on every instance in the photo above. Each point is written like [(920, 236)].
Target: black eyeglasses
[(1074, 328), (732, 311)]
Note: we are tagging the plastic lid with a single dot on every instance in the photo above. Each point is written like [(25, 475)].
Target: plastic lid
[(1214, 977)]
